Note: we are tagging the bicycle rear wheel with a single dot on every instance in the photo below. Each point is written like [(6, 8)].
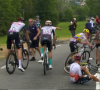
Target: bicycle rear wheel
[(25, 60), (45, 64), (10, 63), (69, 61)]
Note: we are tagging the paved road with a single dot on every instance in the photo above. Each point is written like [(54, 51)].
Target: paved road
[(33, 77)]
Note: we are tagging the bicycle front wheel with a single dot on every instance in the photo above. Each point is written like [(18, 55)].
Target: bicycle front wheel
[(85, 56), (25, 60), (69, 61), (10, 63), (45, 64)]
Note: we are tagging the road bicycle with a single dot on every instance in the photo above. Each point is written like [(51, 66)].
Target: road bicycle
[(12, 60), (85, 55), (45, 59)]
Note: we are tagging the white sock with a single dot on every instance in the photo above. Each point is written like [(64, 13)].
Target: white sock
[(20, 65), (41, 54)]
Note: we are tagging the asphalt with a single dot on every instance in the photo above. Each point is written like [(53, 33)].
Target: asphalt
[(33, 77)]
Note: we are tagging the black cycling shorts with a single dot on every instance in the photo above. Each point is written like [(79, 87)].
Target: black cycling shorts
[(13, 36), (72, 46), (35, 43), (49, 44), (83, 80), (97, 45)]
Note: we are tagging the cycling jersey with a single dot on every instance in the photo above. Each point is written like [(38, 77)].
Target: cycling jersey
[(38, 23), (75, 72), (78, 37), (16, 26)]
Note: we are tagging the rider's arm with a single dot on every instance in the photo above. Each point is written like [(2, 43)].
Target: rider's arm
[(26, 33), (87, 42), (80, 72), (54, 38), (38, 30), (58, 28)]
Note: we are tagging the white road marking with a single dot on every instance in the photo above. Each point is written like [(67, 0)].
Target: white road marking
[(3, 67), (58, 45), (98, 83)]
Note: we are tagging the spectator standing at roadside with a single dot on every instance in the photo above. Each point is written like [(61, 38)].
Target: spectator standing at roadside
[(73, 26), (34, 33)]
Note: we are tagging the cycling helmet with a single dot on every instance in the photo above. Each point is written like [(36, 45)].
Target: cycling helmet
[(86, 30), (77, 57), (92, 18), (37, 16), (20, 19), (48, 23)]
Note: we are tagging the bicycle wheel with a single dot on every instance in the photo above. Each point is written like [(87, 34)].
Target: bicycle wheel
[(45, 64), (69, 61), (10, 63), (85, 56), (25, 60)]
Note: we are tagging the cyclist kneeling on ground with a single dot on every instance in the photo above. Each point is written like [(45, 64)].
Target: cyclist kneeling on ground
[(76, 74), (78, 38), (46, 38)]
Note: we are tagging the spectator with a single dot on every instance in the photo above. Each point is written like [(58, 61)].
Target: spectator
[(34, 33), (92, 21), (73, 26)]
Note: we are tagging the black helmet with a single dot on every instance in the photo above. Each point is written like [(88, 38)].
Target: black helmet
[(20, 19), (37, 16)]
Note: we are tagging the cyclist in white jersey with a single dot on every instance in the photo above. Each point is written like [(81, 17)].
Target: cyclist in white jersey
[(76, 72), (46, 36), (13, 34)]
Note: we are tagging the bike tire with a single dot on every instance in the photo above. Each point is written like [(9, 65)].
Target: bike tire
[(45, 64), (25, 52), (68, 60), (84, 54), (7, 62)]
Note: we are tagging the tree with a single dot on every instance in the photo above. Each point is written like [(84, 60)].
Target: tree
[(47, 9)]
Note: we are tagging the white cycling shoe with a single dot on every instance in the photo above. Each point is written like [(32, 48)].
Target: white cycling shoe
[(20, 68), (50, 67)]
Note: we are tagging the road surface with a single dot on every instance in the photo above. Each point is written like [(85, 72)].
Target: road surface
[(33, 77)]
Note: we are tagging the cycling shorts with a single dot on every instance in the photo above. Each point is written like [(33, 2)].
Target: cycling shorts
[(13, 36), (72, 46), (83, 80)]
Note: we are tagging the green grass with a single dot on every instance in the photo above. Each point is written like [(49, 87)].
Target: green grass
[(3, 40), (64, 33)]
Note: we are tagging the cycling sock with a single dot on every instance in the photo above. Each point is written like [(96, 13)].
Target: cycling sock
[(41, 52), (50, 61), (20, 65)]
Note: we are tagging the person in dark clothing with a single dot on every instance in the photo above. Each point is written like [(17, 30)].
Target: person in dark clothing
[(34, 33), (73, 26), (88, 25)]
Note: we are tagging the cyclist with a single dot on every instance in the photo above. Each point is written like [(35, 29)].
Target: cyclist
[(76, 74), (47, 31), (78, 38), (13, 34), (98, 44)]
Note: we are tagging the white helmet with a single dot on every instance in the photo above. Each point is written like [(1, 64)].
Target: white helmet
[(92, 18), (48, 23)]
